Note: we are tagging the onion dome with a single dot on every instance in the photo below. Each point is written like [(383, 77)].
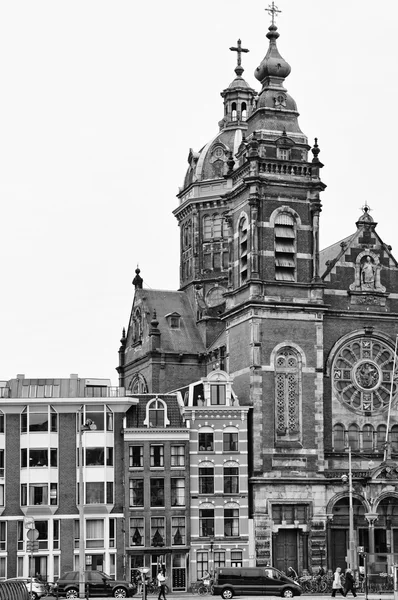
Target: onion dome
[(273, 69), (276, 110)]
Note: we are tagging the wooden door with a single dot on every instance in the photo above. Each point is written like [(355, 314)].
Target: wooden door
[(285, 550)]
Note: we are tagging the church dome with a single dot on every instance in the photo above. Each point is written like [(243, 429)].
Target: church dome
[(211, 161)]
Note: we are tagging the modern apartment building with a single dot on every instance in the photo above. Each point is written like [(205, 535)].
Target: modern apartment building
[(42, 424)]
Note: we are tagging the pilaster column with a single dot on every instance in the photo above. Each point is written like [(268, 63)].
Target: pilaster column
[(371, 518)]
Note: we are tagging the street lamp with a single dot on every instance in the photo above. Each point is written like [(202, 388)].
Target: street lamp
[(82, 557), (143, 571), (351, 539)]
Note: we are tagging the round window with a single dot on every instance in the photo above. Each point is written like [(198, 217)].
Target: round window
[(363, 375), (218, 152)]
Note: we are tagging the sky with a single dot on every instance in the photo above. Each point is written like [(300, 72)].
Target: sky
[(100, 103)]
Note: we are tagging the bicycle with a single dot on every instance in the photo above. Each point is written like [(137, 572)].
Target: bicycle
[(152, 587), (202, 587)]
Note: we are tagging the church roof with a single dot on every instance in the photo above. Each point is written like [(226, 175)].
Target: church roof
[(186, 337)]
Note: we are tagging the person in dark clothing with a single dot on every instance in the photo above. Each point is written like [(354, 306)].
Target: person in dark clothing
[(349, 583)]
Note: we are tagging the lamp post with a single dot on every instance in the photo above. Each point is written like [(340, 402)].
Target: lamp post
[(81, 430), (351, 554), (143, 571)]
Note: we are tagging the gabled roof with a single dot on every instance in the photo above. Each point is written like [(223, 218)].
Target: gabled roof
[(186, 338)]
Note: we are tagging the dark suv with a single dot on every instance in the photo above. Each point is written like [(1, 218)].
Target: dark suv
[(96, 583)]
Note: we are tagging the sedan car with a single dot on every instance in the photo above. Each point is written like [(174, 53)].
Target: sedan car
[(96, 583), (38, 587)]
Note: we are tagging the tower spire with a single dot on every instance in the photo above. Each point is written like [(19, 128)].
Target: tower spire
[(238, 49)]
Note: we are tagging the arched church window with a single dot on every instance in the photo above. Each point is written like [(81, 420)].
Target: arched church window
[(285, 247), (287, 394), (367, 438), (234, 113), (362, 375), (381, 437), (394, 438), (243, 250), (138, 385), (244, 111), (353, 437), (338, 437)]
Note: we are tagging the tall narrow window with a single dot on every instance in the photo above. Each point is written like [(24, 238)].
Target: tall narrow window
[(287, 394), (243, 250), (284, 248), (338, 437), (394, 438), (137, 531), (381, 437), (234, 114), (244, 111), (367, 438), (353, 437)]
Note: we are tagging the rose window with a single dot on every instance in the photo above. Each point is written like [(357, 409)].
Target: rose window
[(363, 375)]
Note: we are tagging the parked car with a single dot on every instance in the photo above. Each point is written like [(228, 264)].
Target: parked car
[(38, 587), (233, 581), (98, 584)]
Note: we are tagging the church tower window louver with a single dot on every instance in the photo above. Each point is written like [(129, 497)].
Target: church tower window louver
[(285, 241), (243, 250)]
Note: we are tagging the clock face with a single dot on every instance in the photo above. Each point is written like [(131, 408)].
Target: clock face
[(214, 296), (363, 376)]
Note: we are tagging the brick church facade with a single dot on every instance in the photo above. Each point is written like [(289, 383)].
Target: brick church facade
[(308, 336)]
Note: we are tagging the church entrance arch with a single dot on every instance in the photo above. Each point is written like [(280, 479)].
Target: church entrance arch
[(339, 531)]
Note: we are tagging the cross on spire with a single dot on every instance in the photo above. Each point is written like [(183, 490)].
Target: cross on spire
[(366, 208), (273, 10), (239, 50)]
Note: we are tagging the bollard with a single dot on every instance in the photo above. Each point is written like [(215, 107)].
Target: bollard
[(13, 590)]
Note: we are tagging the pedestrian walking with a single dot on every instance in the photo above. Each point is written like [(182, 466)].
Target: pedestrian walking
[(161, 583), (337, 585), (349, 583)]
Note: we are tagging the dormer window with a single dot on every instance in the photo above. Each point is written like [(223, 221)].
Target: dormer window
[(156, 413), (174, 320), (217, 393)]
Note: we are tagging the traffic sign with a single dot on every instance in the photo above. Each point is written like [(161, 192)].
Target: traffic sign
[(32, 534)]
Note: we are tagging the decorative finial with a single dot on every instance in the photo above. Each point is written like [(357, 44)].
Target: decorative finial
[(138, 281), (315, 151), (273, 10), (239, 69)]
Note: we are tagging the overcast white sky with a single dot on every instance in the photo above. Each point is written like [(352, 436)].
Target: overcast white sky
[(99, 105)]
